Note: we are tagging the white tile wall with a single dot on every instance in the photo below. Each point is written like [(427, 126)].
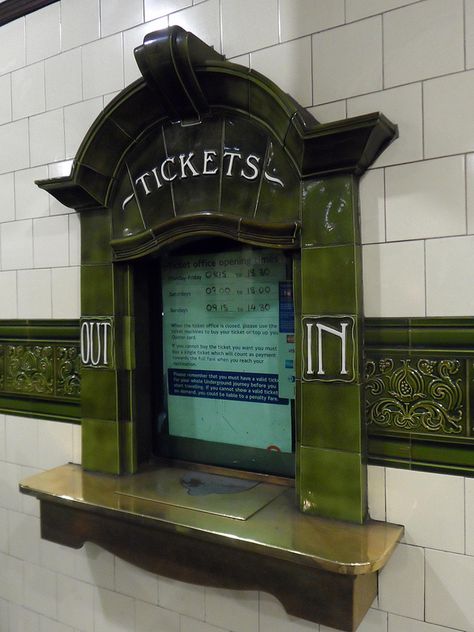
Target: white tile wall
[(203, 20), (16, 245), (258, 20), (80, 22), (102, 65), (402, 582), (14, 141), (132, 38), (12, 46), (117, 15), (470, 192), (158, 8), (372, 206), (469, 33), (47, 137), (5, 99), (30, 201), (28, 91), (357, 9), (43, 33), (7, 197), (34, 294), (309, 16), (63, 79)]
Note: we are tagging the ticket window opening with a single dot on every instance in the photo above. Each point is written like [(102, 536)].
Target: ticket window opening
[(223, 340)]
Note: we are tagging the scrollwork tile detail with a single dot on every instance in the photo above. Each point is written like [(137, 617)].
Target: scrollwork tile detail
[(68, 364), (416, 395)]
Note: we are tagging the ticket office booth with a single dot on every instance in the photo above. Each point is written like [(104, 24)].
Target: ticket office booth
[(221, 337)]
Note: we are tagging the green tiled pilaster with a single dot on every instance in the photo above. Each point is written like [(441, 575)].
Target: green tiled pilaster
[(97, 289), (101, 446), (95, 226)]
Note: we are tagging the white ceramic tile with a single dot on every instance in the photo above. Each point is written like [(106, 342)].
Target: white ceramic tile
[(149, 618), (180, 597), (135, 582), (202, 20), (446, 114), (47, 137), (233, 610), (409, 53), (402, 106), (51, 241), (63, 79), (16, 241), (24, 536), (449, 290), (329, 112), (75, 603), (470, 192), (10, 498), (108, 98), (469, 33), (372, 206), (102, 66), (394, 279), (30, 200), (66, 292), (357, 9), (191, 625), (43, 33), (469, 483), (74, 239), (29, 504), (76, 444), (11, 578), (449, 582), (77, 120), (243, 60), (430, 506), (60, 169), (376, 491), (80, 22), (40, 590), (116, 15), (309, 16), (7, 197), (22, 619), (95, 566), (426, 199), (257, 20), (4, 530), (158, 8), (12, 46), (4, 614), (5, 99), (273, 618), (48, 625), (289, 66), (2, 436), (402, 624), (14, 141), (112, 612), (54, 443), (34, 294), (374, 621), (133, 38), (28, 91), (347, 61), (401, 582), (8, 306), (21, 435)]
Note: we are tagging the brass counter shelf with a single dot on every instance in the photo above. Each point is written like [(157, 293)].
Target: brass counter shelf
[(251, 537)]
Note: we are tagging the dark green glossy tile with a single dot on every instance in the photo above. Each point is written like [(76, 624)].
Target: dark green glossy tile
[(329, 216), (441, 337), (128, 447), (388, 447), (332, 416), (95, 236), (97, 295), (100, 446), (333, 484), (99, 394), (331, 280)]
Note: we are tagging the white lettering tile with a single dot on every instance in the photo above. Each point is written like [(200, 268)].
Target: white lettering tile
[(28, 91), (102, 66), (34, 294), (202, 20), (309, 16), (257, 20), (423, 40), (401, 582), (403, 624), (8, 306), (151, 618), (232, 609), (66, 292), (7, 197), (40, 590), (430, 506), (449, 582), (278, 63), (447, 114), (75, 603), (372, 206), (5, 99), (80, 22), (30, 200), (116, 15), (403, 107), (63, 79), (158, 8), (47, 137), (51, 241), (357, 9), (135, 582), (16, 245), (112, 612), (43, 33), (180, 597), (77, 120), (14, 141), (394, 279), (449, 289), (24, 536), (21, 440), (54, 443), (12, 46), (426, 199), (133, 38), (347, 61), (273, 617)]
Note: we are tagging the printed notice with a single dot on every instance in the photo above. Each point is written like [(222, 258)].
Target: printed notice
[(228, 338)]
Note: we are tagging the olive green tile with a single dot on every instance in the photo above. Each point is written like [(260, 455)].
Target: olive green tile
[(331, 282), (95, 236), (97, 294), (128, 449), (100, 446), (331, 416), (329, 212), (297, 283), (98, 394), (333, 484)]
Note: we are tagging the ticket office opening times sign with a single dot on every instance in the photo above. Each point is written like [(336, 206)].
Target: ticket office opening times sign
[(228, 338)]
